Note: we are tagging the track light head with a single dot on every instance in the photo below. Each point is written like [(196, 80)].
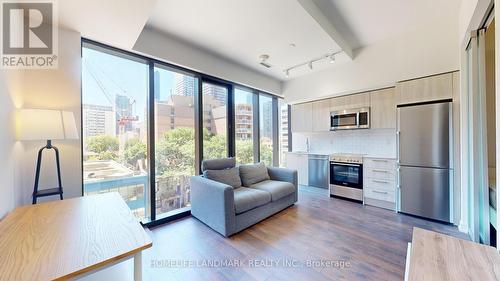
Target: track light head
[(332, 58), (287, 73), (311, 65)]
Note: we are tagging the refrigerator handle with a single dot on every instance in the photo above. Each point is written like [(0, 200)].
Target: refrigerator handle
[(398, 134)]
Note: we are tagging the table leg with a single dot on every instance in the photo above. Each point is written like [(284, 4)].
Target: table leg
[(138, 267)]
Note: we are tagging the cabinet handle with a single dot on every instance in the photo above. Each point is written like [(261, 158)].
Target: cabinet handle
[(380, 171), (386, 182), (380, 192), (380, 160)]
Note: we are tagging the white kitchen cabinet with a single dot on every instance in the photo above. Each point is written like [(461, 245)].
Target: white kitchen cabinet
[(383, 109), (350, 101), (379, 182), (299, 162), (437, 87), (359, 100), (321, 116), (301, 117), (338, 103)]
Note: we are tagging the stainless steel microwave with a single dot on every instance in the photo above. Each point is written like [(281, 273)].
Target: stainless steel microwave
[(357, 118)]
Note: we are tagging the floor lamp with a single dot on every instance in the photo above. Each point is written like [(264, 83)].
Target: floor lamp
[(48, 125)]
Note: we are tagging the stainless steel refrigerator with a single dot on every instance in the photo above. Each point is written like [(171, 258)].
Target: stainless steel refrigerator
[(425, 160)]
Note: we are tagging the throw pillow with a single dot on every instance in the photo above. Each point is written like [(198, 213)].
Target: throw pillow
[(227, 176), (253, 173)]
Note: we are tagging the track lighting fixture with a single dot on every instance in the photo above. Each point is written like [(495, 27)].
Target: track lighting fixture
[(330, 57)]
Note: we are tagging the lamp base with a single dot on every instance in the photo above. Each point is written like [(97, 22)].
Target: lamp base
[(51, 191)]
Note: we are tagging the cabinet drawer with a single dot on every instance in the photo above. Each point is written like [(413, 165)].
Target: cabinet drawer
[(379, 184), (379, 163), (379, 194), (381, 174)]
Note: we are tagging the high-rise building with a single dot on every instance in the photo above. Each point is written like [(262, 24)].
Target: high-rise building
[(185, 85), (243, 121), (98, 120), (219, 93), (283, 137), (123, 108), (266, 121)]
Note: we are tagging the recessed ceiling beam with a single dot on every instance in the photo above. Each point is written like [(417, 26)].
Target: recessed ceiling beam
[(315, 12)]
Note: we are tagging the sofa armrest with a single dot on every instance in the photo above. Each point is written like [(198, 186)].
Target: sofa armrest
[(212, 202), (283, 174)]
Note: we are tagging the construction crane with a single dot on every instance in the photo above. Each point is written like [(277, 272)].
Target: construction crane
[(122, 120)]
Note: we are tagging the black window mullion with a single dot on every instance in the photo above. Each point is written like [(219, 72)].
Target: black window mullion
[(275, 131), (198, 112), (256, 129), (231, 131), (151, 141)]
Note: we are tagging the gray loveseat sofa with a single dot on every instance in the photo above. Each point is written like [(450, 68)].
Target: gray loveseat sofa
[(229, 209)]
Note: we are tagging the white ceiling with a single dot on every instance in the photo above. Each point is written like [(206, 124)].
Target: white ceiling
[(242, 30), (364, 22), (115, 22)]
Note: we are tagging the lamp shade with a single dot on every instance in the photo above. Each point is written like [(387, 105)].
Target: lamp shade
[(43, 124)]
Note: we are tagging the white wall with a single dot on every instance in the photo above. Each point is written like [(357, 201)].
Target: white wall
[(7, 142), (430, 49), (48, 89), (159, 45)]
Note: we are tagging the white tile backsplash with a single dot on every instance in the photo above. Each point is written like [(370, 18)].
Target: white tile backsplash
[(372, 142)]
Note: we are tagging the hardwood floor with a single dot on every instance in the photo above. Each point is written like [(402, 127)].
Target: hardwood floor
[(359, 243)]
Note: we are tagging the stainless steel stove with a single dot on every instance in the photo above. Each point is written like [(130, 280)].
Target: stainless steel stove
[(346, 176)]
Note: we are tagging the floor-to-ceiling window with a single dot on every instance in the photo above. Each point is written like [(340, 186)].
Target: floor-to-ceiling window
[(215, 120), (243, 125), (115, 91), (266, 129), (174, 151), (147, 125)]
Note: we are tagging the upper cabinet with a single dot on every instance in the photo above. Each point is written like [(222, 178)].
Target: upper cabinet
[(383, 109), (321, 116), (350, 101), (301, 117), (437, 87)]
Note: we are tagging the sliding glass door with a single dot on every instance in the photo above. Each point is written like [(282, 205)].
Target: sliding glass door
[(174, 129), (115, 90)]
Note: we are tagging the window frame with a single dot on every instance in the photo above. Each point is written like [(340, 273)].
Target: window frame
[(198, 115)]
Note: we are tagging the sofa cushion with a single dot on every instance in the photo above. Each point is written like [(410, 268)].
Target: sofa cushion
[(228, 176), (218, 164), (246, 199), (277, 189), (253, 173)]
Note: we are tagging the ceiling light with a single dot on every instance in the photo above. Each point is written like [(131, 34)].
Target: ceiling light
[(287, 73), (332, 58), (263, 61), (310, 65), (292, 45)]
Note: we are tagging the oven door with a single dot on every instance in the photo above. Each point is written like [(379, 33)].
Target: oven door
[(345, 174), (343, 121)]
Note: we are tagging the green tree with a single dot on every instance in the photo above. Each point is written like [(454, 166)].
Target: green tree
[(266, 152), (134, 151), (244, 151), (214, 146), (105, 147), (175, 153)]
